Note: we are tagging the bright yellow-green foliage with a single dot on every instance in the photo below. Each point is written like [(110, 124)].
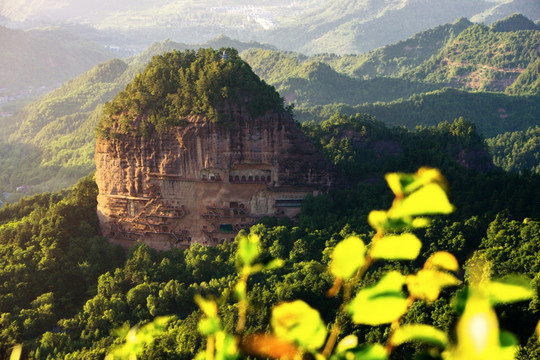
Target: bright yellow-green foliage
[(298, 323), (298, 329), (347, 257)]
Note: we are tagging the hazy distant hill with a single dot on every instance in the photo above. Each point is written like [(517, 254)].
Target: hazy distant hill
[(309, 26), (514, 22), (502, 9), (52, 138), (45, 57), (396, 59), (351, 26)]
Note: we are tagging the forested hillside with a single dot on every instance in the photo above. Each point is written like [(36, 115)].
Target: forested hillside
[(482, 58), (528, 82), (517, 151), (178, 84), (493, 113), (54, 236)]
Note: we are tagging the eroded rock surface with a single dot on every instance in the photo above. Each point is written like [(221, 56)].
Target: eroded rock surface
[(205, 181)]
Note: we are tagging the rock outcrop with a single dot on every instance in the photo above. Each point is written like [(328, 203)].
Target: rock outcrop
[(205, 181)]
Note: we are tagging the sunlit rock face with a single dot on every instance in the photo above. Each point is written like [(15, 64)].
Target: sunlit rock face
[(204, 181)]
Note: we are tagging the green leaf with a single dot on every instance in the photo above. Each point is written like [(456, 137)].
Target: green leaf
[(422, 177), (16, 352), (379, 220), (419, 332), (443, 260), (394, 182), (347, 257), (403, 184), (509, 346), (248, 248), (297, 322), (138, 338), (226, 347), (404, 246), (380, 304), (240, 290), (371, 352), (427, 284), (430, 199), (511, 289)]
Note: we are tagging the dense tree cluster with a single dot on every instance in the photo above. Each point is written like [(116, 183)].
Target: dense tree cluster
[(517, 151), (51, 256), (174, 85)]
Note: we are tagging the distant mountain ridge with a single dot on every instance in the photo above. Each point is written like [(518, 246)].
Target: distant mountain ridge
[(514, 22), (460, 55), (309, 26)]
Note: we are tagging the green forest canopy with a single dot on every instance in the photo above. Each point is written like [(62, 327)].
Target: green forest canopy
[(66, 290), (177, 84)]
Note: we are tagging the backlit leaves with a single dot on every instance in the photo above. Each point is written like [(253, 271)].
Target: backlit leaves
[(299, 323), (403, 184), (478, 333), (422, 193), (442, 260), (509, 290), (347, 257), (404, 246), (419, 332), (427, 284), (138, 338), (269, 346), (348, 342), (428, 200), (369, 352), (248, 248), (209, 307), (380, 304)]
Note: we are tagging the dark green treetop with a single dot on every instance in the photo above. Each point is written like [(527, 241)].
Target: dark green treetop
[(177, 84)]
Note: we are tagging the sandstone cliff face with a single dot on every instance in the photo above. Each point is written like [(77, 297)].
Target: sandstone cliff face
[(204, 181)]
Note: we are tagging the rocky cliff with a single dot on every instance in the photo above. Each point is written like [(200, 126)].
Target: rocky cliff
[(203, 180)]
